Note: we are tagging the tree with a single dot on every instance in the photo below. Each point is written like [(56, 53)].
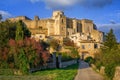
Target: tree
[(54, 44), (109, 55), (0, 17), (19, 31), (4, 34), (110, 41)]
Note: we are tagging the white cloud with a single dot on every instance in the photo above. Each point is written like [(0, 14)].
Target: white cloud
[(106, 27), (115, 26), (5, 14), (33, 1), (59, 4)]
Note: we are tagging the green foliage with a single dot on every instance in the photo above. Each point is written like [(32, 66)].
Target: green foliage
[(6, 72), (66, 57), (109, 55), (19, 31), (110, 70), (27, 54), (17, 50), (4, 34), (55, 44), (8, 31), (23, 62), (89, 60), (74, 53), (67, 73), (4, 65), (110, 41)]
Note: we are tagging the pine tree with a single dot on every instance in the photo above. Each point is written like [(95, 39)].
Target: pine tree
[(110, 40), (0, 17)]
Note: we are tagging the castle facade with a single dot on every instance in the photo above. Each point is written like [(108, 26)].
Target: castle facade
[(83, 32)]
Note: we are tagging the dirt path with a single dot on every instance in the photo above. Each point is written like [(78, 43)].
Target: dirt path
[(87, 73)]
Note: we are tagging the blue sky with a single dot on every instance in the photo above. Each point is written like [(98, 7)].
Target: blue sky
[(104, 13)]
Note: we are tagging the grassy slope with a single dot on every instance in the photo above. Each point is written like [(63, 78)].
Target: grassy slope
[(51, 74)]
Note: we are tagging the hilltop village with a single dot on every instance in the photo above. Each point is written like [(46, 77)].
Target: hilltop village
[(82, 32)]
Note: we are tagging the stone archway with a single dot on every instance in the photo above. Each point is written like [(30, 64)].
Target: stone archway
[(84, 54)]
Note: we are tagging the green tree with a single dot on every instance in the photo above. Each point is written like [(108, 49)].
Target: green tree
[(110, 41), (0, 17), (23, 61), (55, 44), (19, 31), (109, 55)]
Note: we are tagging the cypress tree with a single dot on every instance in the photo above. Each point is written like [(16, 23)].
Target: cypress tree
[(110, 41), (19, 31), (0, 17)]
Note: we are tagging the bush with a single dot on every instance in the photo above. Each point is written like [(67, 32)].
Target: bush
[(89, 60), (98, 64), (6, 72), (66, 57), (110, 70)]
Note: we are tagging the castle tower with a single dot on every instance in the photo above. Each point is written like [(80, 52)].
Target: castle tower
[(60, 23)]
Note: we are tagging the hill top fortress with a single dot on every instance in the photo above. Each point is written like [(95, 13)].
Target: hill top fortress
[(83, 32)]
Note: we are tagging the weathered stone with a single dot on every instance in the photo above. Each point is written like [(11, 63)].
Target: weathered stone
[(93, 66), (117, 74), (102, 70)]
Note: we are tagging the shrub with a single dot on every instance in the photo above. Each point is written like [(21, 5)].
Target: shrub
[(66, 57), (6, 72), (89, 60), (110, 70)]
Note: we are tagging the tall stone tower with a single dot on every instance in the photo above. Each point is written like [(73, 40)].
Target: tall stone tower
[(60, 23)]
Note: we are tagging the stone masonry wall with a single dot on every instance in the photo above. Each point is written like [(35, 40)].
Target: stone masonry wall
[(117, 74)]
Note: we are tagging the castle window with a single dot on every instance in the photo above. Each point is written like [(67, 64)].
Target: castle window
[(62, 21), (40, 36), (83, 46), (68, 33), (95, 46), (40, 27)]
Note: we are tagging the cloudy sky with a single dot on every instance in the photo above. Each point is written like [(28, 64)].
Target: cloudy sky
[(104, 13)]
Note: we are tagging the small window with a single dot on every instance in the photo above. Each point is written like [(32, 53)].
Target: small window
[(40, 36), (95, 46), (40, 27), (68, 33), (62, 21), (83, 46)]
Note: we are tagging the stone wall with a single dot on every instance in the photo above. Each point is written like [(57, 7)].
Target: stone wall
[(67, 63), (102, 71), (117, 74)]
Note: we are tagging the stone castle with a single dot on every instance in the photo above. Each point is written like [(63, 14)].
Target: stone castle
[(83, 32)]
